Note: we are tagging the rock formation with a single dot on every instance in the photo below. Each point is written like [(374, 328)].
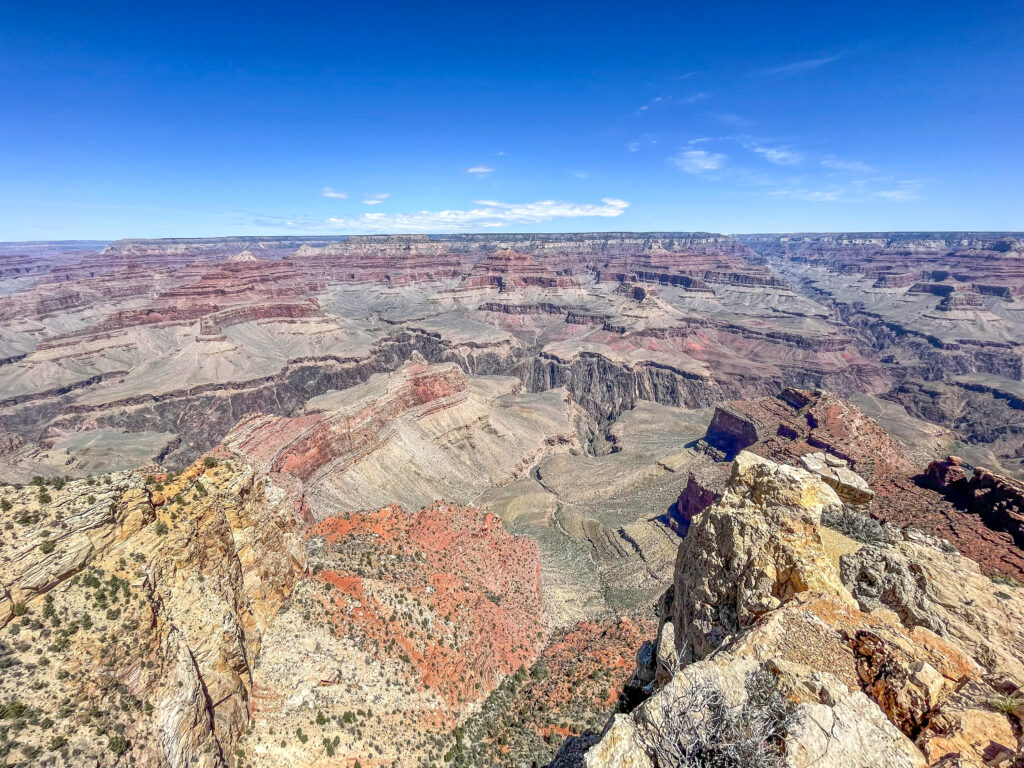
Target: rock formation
[(900, 650), (151, 596)]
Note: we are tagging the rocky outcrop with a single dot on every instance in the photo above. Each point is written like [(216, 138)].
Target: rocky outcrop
[(839, 442), (890, 650), (997, 500), (156, 590), (732, 569)]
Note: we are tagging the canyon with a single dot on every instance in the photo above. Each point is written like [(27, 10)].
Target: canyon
[(508, 499)]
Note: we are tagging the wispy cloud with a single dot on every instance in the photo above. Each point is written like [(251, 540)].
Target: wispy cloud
[(693, 98), (858, 190), (487, 214), (846, 165), (777, 155), (798, 67), (698, 160), (328, 192), (633, 146), (832, 193), (376, 199), (480, 170), (581, 174), (904, 192)]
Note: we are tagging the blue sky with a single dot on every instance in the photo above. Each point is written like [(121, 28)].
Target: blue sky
[(188, 119)]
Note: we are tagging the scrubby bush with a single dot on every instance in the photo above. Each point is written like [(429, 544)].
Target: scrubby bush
[(854, 524), (698, 728), (161, 528), (209, 462), (47, 546), (1008, 704), (118, 744)]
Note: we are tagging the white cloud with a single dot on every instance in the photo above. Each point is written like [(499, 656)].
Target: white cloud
[(480, 170), (905, 192), (847, 165), (830, 194), (376, 199), (328, 192), (633, 146), (486, 214), (691, 99), (778, 155), (797, 67), (698, 160), (581, 174)]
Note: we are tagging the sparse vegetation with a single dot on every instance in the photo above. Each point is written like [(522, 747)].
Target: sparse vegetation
[(854, 524), (1008, 704), (117, 744), (1006, 581), (698, 728)]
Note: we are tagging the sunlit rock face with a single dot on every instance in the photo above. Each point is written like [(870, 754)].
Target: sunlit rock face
[(833, 646)]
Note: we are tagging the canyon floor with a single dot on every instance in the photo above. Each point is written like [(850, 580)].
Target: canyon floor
[(420, 501)]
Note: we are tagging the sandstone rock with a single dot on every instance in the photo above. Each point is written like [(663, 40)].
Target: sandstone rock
[(754, 588), (969, 728), (183, 712), (832, 725), (946, 593), (850, 486), (155, 598), (754, 549)]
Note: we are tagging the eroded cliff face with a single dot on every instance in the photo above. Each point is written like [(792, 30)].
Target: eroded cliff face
[(175, 341), (134, 606), (899, 649)]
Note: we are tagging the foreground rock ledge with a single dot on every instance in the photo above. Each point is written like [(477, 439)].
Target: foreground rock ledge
[(898, 653)]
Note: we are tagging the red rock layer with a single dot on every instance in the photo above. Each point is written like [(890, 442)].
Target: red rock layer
[(303, 445), (447, 591), (508, 270)]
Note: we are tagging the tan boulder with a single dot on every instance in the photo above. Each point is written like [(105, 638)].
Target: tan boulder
[(751, 551)]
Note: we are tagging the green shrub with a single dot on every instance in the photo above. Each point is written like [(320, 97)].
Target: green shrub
[(19, 609), (12, 710), (1008, 704), (209, 462), (48, 546), (854, 524), (5, 505), (44, 497), (161, 528), (1006, 581), (117, 744)]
